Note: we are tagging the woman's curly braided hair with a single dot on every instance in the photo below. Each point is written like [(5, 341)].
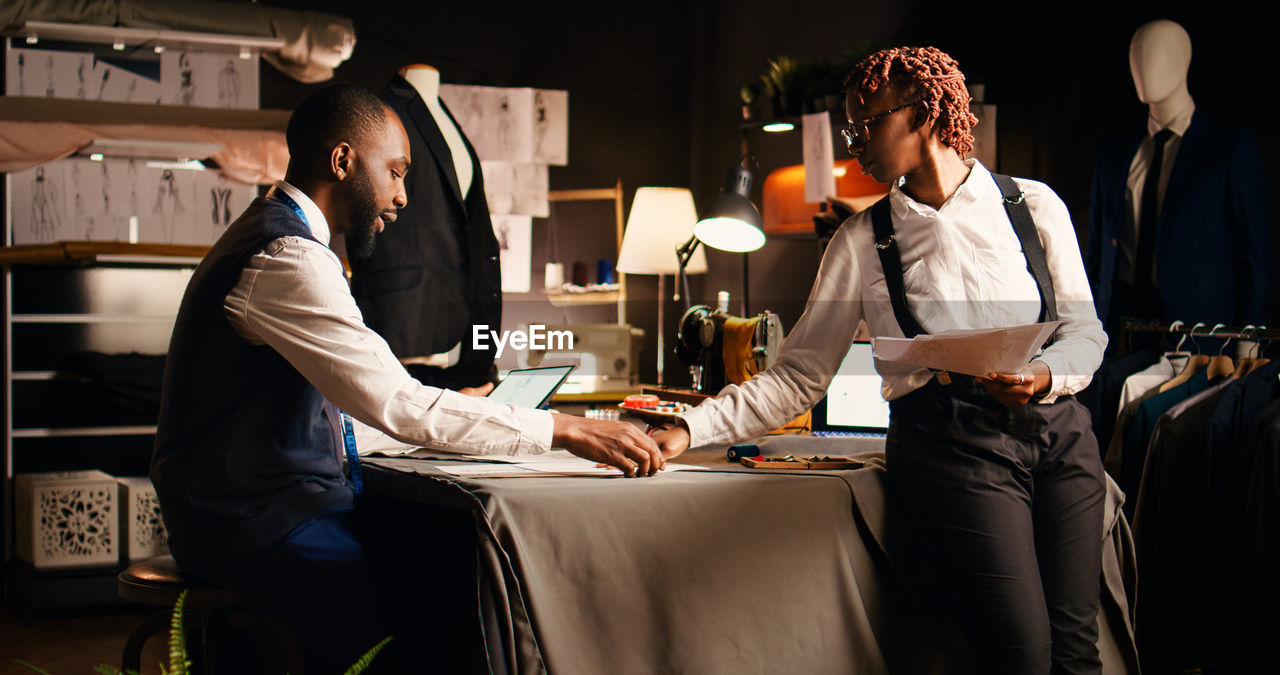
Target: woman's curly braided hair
[(929, 74)]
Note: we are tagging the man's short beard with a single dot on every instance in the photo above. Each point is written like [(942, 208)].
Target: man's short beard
[(364, 219)]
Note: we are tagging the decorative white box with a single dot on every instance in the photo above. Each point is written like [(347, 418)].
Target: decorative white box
[(142, 530), (67, 519)]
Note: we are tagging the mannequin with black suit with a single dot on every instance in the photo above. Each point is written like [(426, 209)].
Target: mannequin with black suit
[(436, 274), (1178, 227)]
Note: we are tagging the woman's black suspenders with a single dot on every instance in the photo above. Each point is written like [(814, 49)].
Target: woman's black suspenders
[(1019, 216)]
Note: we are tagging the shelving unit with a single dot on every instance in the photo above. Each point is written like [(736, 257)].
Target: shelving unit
[(618, 297), (101, 302), (112, 298)]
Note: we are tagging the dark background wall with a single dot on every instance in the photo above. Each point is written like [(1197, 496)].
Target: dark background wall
[(654, 90)]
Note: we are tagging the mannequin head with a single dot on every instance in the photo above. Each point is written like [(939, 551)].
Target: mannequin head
[(1159, 56)]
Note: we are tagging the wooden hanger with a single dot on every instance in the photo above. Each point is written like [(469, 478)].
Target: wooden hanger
[(1220, 365), (1195, 364)]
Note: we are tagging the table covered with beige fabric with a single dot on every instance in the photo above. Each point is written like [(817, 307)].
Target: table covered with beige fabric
[(719, 571)]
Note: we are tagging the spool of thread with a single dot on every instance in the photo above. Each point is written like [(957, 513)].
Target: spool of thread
[(580, 274), (554, 278), (604, 271)]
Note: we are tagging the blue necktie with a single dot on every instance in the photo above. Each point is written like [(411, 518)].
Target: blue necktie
[(353, 457)]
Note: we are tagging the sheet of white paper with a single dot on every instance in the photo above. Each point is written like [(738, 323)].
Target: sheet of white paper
[(819, 160), (112, 83), (968, 351), (551, 127), (531, 184), (38, 204), (576, 467), (553, 456), (984, 134), (515, 250), (556, 462)]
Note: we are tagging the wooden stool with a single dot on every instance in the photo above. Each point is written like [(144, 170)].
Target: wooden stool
[(156, 581)]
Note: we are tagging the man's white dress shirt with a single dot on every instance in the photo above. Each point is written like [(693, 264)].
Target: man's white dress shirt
[(293, 296)]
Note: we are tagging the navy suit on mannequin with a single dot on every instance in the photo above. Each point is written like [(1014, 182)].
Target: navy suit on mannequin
[(1212, 240), (437, 272), (1178, 232)]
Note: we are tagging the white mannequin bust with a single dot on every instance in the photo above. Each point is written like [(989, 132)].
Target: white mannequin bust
[(1159, 56), (426, 81)]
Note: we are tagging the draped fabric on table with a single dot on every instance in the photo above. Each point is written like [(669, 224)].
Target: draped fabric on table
[(707, 571)]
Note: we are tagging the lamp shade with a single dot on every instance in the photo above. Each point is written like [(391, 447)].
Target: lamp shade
[(661, 220), (731, 222)]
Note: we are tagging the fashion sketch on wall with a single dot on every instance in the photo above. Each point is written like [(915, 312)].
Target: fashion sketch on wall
[(551, 127), (819, 158), (208, 80), (168, 198), (219, 200), (47, 73), (515, 241), (518, 124), (37, 204)]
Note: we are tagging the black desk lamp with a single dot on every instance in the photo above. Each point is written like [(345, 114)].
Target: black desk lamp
[(729, 223)]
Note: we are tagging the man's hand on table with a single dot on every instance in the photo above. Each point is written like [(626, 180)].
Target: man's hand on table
[(618, 444), (672, 440)]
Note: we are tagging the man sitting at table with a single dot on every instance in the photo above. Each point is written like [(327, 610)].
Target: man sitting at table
[(269, 345)]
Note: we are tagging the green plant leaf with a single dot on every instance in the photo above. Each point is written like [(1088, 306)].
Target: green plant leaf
[(365, 660), (178, 663), (31, 666)]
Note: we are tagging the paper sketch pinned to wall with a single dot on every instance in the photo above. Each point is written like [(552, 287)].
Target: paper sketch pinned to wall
[(531, 190), (166, 201), (219, 201), (520, 124), (78, 199), (515, 244), (499, 187), (551, 127), (819, 181), (48, 73), (121, 85), (516, 189), (984, 134), (208, 80), (37, 206)]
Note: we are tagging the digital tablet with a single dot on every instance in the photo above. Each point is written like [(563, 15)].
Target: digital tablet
[(530, 387)]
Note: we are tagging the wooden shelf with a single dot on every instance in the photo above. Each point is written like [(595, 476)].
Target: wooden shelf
[(87, 252), (51, 110)]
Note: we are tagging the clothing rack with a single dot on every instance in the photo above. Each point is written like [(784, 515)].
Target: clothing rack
[(1197, 330)]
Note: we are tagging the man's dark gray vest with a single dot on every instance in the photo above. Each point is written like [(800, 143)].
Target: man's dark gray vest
[(246, 448)]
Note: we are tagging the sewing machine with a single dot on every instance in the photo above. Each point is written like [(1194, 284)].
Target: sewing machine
[(605, 355), (721, 349)]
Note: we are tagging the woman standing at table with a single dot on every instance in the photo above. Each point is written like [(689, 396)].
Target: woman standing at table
[(994, 482)]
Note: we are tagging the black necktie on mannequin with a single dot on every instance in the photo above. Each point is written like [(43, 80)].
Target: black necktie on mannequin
[(1147, 221)]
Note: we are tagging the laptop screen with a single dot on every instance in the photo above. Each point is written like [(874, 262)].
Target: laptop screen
[(853, 401), (531, 387)]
